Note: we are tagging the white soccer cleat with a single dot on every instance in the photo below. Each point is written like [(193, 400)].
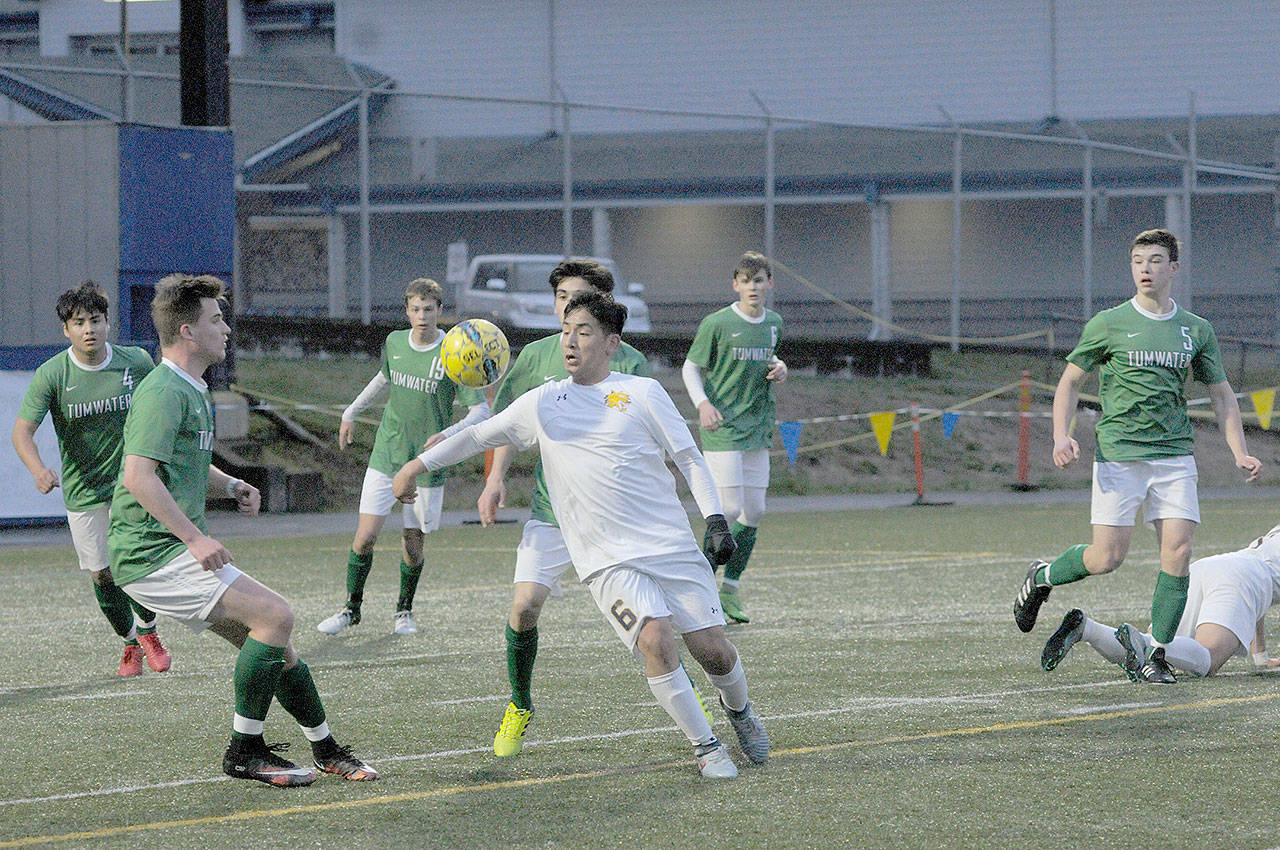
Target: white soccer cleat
[(336, 623), (714, 761), (404, 623)]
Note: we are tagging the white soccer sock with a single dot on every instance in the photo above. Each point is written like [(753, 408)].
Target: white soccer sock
[(1103, 639), (1188, 656), (246, 725), (729, 583), (674, 692), (315, 733), (732, 686)]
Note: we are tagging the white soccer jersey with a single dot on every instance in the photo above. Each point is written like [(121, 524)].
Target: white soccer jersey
[(604, 451)]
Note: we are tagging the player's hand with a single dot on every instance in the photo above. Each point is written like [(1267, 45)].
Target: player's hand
[(46, 479), (210, 553), (709, 416), (437, 437), (248, 499), (1065, 451), (346, 434), (492, 497), (717, 542), (777, 372), (405, 486), (1252, 467)]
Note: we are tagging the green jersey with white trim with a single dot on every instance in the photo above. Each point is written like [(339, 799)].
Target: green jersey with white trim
[(1143, 362), (88, 406), (735, 353), (420, 404), (171, 422), (540, 362)]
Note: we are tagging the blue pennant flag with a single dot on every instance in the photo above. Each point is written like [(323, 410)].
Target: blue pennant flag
[(790, 433), (949, 420)]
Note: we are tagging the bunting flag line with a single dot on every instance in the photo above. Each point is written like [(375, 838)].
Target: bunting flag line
[(1263, 401), (790, 433), (882, 425), (949, 420)]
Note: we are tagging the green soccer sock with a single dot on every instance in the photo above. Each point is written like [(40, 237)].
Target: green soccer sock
[(114, 603), (408, 585), (296, 692), (358, 567), (145, 616), (1167, 605), (258, 669), (1066, 568), (745, 537), (522, 649)]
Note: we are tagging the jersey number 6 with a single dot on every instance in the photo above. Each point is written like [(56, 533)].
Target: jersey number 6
[(625, 616)]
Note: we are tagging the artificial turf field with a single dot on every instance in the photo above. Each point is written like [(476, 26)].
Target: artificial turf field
[(905, 708)]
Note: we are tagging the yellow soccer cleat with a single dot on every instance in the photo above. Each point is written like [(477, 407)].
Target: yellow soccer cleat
[(510, 737)]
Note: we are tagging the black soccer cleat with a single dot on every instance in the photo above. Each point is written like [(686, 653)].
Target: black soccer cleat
[(1156, 669), (1061, 641), (259, 761), (1027, 606), (1135, 650)]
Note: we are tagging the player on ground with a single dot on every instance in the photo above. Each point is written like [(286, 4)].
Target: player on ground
[(542, 557), (86, 391), (162, 555), (736, 345), (604, 438), (420, 404), (1144, 350), (1226, 603)]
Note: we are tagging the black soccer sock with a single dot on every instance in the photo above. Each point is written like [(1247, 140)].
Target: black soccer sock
[(408, 585)]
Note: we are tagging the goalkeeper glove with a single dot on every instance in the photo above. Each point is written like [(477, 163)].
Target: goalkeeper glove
[(718, 543)]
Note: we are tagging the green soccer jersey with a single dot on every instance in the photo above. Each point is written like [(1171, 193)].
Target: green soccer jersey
[(88, 406), (735, 352), (171, 422), (1143, 362), (421, 404), (539, 362)]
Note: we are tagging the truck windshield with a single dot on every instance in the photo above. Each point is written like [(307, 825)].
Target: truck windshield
[(531, 277)]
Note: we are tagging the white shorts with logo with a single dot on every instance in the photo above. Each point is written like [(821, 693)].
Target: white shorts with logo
[(542, 557), (183, 590), (1163, 489), (377, 498), (739, 469), (680, 586), (89, 536), (1230, 590)]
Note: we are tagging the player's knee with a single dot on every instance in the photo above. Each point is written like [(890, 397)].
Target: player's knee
[(363, 543), (1104, 561), (658, 644), (103, 579)]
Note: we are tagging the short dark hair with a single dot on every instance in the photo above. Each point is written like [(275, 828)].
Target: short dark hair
[(88, 297), (595, 274), (178, 301), (423, 287), (609, 313), (752, 262), (1161, 237)]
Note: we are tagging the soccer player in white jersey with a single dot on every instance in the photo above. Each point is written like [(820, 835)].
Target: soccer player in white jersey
[(1226, 604), (604, 438), (736, 346), (162, 554), (1144, 350), (86, 390)]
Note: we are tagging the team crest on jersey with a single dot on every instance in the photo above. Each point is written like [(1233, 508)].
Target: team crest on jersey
[(619, 400)]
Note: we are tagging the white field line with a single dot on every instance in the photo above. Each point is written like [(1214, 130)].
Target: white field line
[(854, 706)]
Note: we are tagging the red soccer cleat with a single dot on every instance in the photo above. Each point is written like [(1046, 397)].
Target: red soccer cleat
[(157, 656), (131, 663)]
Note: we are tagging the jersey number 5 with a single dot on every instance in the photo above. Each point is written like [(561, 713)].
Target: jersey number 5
[(625, 616)]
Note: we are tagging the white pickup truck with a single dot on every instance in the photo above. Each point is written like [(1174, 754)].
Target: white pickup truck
[(511, 290)]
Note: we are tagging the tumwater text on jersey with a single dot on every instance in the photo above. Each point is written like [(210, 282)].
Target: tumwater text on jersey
[(414, 382), (78, 410), (1170, 359), (758, 353)]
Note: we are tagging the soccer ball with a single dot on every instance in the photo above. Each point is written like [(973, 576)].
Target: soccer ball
[(475, 353)]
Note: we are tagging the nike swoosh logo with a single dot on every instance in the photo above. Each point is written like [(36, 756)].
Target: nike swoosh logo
[(549, 377), (739, 333), (1131, 336), (395, 357), (72, 387)]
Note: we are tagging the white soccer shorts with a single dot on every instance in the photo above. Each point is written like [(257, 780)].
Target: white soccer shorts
[(542, 556), (1229, 590), (183, 590), (377, 498), (739, 469), (89, 536), (1163, 489), (680, 586)]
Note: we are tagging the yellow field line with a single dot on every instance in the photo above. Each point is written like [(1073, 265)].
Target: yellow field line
[(454, 790)]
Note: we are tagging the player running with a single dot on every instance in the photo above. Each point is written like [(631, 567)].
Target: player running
[(1227, 601), (604, 439), (736, 346), (162, 555), (86, 390), (420, 404), (1144, 350)]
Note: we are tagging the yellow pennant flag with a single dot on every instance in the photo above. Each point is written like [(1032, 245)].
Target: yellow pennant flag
[(882, 425), (1263, 401)]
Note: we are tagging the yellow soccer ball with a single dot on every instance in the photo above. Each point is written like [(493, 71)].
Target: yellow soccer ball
[(475, 353)]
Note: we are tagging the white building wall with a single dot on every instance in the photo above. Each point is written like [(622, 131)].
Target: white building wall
[(61, 20)]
